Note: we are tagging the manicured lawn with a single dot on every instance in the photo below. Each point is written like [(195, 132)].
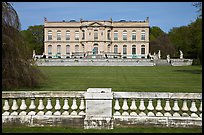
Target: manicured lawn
[(115, 130), (132, 79)]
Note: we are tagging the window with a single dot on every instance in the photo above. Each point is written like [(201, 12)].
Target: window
[(143, 35), (95, 34), (125, 49), (67, 35), (76, 48), (116, 35), (133, 35), (115, 49), (76, 35), (58, 35), (109, 48), (134, 49), (49, 49), (67, 49), (95, 49), (124, 35), (49, 35), (143, 49), (108, 35), (83, 34), (58, 49)]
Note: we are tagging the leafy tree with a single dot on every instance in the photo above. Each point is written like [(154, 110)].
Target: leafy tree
[(155, 32), (18, 70), (34, 36)]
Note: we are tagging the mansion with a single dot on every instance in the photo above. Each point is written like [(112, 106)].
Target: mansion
[(96, 39)]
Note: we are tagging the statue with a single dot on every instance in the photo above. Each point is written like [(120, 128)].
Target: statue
[(181, 54), (159, 55), (168, 58), (33, 53)]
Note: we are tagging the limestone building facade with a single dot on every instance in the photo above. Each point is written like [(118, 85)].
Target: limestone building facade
[(96, 39)]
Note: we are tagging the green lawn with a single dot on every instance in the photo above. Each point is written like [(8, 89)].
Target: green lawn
[(115, 130), (132, 79)]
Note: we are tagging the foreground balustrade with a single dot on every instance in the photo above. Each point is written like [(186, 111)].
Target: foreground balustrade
[(39, 108)]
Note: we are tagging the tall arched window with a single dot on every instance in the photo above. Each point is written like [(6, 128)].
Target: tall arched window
[(143, 35), (109, 48), (49, 35), (58, 35), (49, 49), (133, 35), (115, 35), (95, 49), (83, 48), (134, 49), (67, 35), (108, 35), (83, 34), (143, 49), (124, 35), (76, 48), (67, 49), (124, 49), (58, 49), (115, 49)]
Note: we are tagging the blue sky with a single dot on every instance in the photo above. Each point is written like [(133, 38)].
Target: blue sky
[(165, 15)]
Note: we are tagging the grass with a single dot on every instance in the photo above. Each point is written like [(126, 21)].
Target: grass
[(132, 79), (115, 130)]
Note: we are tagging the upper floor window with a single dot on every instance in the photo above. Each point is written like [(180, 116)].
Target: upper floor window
[(124, 35), (83, 34), (67, 35), (95, 34), (143, 35), (58, 49), (58, 35), (108, 35), (143, 49), (115, 35), (133, 35), (76, 35), (49, 35)]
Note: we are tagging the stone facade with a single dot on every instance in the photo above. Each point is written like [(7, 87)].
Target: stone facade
[(96, 39)]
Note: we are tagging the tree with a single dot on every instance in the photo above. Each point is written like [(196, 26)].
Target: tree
[(199, 6), (17, 68), (34, 36)]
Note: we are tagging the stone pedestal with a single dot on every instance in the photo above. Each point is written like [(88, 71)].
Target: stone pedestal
[(98, 108)]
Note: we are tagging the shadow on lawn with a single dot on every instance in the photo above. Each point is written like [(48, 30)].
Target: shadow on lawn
[(190, 71)]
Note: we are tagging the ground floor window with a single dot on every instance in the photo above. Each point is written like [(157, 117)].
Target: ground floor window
[(143, 49)]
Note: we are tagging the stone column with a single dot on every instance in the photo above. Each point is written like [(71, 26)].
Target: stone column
[(98, 108)]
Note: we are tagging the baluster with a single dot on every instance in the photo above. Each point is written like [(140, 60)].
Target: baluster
[(159, 108), (200, 108), (14, 107), (193, 109), (48, 107), (133, 107), (65, 107), (57, 107), (167, 108), (125, 107), (142, 108), (23, 107), (151, 108), (176, 108), (117, 107), (185, 109), (6, 107), (82, 107), (32, 107), (41, 107), (74, 107)]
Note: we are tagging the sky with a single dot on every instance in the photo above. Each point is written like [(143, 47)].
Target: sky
[(165, 15)]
